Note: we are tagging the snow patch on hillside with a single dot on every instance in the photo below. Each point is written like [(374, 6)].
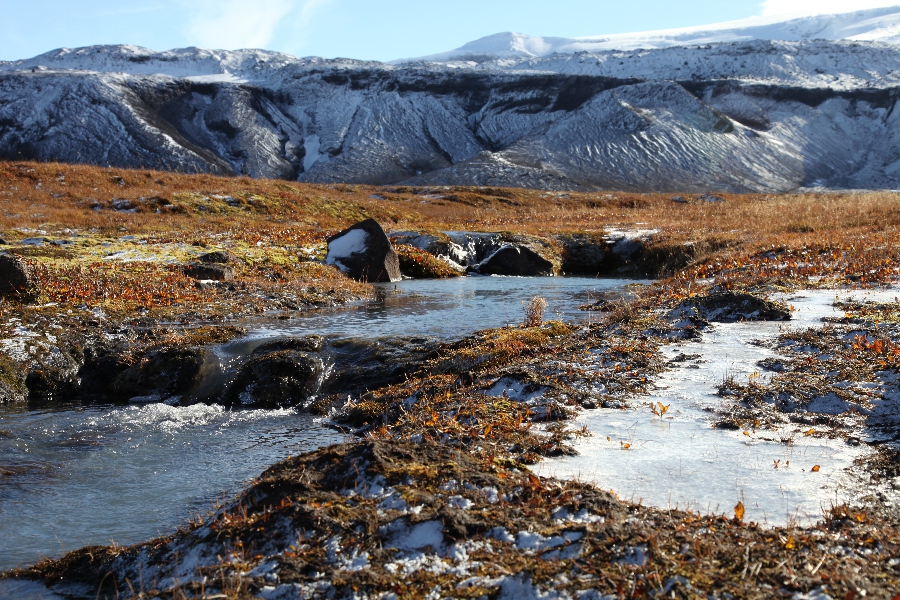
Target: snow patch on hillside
[(879, 24)]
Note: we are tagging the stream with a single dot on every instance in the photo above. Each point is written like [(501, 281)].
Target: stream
[(73, 476)]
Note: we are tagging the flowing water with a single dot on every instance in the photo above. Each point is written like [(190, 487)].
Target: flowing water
[(88, 475)]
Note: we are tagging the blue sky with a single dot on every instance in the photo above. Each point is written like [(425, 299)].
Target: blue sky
[(365, 29)]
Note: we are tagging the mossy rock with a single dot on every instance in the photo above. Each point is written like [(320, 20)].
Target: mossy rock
[(12, 382), (419, 264)]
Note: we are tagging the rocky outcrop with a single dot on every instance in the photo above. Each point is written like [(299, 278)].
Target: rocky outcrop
[(515, 259), (17, 278), (364, 253)]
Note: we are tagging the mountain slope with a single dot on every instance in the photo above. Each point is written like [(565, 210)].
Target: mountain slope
[(766, 116)]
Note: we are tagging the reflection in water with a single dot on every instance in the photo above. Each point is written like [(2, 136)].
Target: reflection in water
[(449, 308)]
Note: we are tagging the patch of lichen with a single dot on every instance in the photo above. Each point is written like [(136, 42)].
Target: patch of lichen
[(493, 347)]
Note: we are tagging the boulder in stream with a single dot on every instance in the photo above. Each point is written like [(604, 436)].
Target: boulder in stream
[(364, 253), (276, 379), (515, 259), (163, 372)]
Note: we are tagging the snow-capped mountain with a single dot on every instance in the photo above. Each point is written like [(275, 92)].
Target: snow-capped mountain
[(872, 25), (757, 115)]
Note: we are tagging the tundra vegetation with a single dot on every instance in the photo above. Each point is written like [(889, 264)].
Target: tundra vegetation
[(437, 497)]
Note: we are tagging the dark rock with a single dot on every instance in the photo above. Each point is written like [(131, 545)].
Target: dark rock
[(164, 372), (729, 307), (220, 257), (276, 379), (216, 272), (308, 343), (712, 198), (585, 253), (517, 260), (364, 253), (54, 372), (17, 279), (3, 242), (679, 200), (364, 364)]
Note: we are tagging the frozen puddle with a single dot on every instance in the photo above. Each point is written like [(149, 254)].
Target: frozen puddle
[(679, 460)]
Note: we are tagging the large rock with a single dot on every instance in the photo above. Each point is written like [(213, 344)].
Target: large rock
[(276, 379), (515, 259), (728, 307), (17, 278), (162, 373), (219, 257), (364, 253), (586, 253), (209, 271)]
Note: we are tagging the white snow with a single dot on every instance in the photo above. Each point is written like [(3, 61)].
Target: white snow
[(879, 24), (681, 461), (403, 536), (352, 242)]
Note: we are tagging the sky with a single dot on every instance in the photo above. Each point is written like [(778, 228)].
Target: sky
[(363, 29)]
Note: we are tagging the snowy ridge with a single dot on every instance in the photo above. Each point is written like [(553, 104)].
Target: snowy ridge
[(759, 115), (872, 25)]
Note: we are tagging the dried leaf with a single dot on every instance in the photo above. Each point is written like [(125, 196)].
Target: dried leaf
[(815, 469), (739, 511)]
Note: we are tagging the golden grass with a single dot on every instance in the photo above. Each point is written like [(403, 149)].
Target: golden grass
[(276, 227)]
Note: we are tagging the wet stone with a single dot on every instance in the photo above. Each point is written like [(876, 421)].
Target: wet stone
[(516, 260), (307, 343), (276, 379), (164, 372)]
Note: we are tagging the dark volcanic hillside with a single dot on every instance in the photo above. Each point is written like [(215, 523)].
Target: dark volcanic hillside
[(752, 116)]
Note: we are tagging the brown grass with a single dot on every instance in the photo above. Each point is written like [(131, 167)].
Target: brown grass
[(275, 227)]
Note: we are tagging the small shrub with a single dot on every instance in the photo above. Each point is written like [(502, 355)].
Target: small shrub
[(534, 312)]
